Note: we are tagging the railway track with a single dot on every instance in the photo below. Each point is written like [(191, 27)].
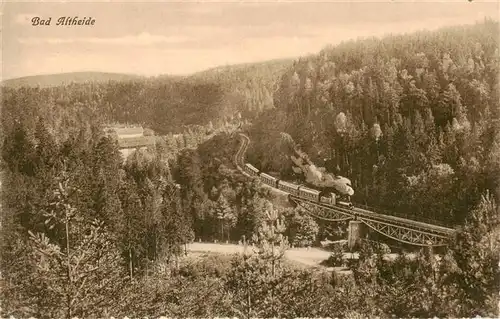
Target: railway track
[(239, 156)]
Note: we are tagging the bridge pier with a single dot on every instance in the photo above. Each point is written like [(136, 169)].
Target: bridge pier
[(355, 231)]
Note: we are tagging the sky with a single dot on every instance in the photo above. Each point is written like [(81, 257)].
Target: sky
[(178, 38)]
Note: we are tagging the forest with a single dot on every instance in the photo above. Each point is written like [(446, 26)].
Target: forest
[(409, 119), (412, 120), (165, 104)]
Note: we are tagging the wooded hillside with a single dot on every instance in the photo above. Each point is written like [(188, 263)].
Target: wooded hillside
[(165, 104), (411, 119)]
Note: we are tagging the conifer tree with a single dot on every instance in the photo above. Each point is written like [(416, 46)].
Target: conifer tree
[(475, 250), (224, 213), (83, 273), (255, 279)]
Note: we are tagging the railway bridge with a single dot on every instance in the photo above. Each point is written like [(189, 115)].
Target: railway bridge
[(401, 229)]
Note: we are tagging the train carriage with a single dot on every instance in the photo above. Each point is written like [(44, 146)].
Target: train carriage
[(251, 170), (309, 193), (289, 187), (268, 179)]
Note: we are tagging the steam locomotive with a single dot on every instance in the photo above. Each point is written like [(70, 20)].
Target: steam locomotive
[(298, 190)]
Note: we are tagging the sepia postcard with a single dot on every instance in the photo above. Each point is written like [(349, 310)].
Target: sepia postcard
[(250, 159)]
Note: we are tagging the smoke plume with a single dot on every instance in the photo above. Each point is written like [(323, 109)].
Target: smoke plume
[(318, 176)]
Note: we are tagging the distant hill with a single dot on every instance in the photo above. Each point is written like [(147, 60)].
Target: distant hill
[(164, 103), (48, 80), (243, 68), (249, 88)]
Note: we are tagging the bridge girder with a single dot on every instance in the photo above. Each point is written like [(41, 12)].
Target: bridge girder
[(407, 234), (323, 214)]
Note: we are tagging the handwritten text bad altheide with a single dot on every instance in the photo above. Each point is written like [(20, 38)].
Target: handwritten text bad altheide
[(64, 21)]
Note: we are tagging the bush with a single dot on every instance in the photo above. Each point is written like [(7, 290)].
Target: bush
[(336, 258)]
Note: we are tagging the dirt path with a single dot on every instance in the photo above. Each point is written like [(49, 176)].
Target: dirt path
[(311, 257)]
